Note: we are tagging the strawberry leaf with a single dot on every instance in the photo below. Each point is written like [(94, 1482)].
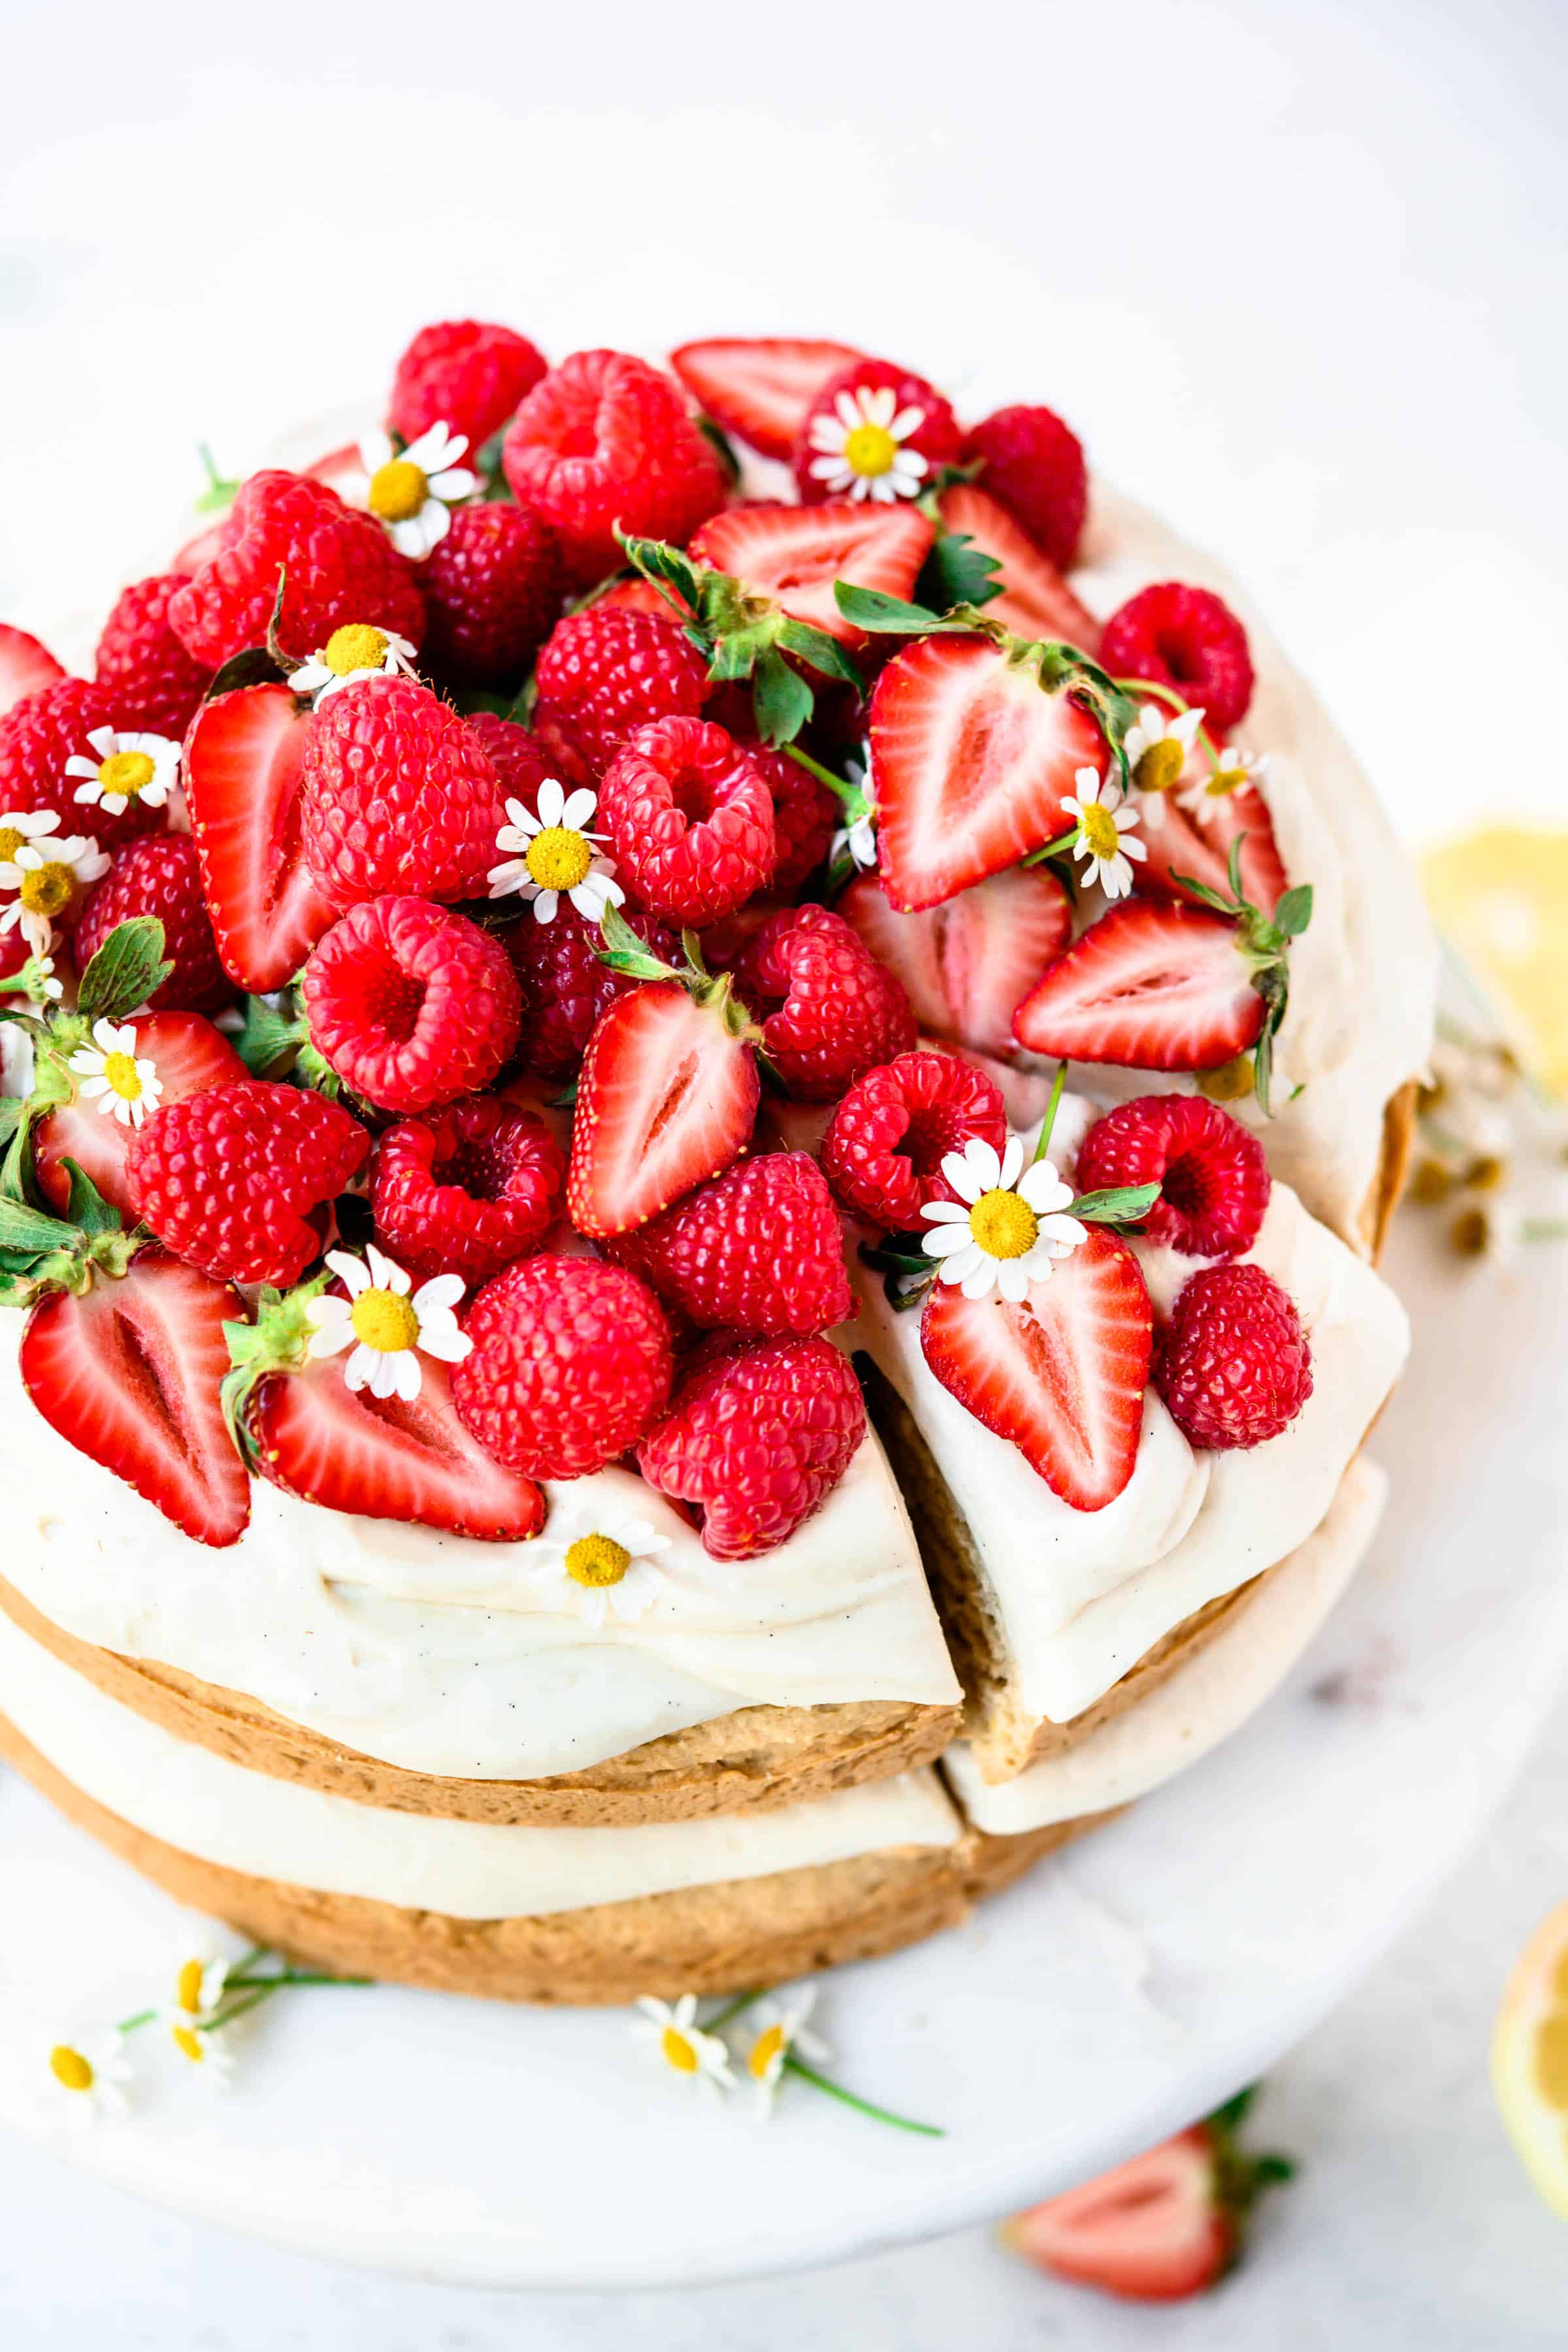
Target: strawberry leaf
[(1118, 1204), (667, 567), (1294, 911), (254, 666), (718, 441), (882, 616), (267, 1035), (85, 1204), (825, 653), (957, 571), (781, 699), (124, 972)]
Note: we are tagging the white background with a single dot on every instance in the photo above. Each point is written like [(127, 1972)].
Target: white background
[(1295, 273)]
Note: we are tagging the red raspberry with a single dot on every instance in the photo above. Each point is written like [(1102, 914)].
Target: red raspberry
[(885, 1142), (1034, 464), (412, 1004), (692, 819), (606, 439), (340, 566), (492, 589), (140, 662), (396, 794), (758, 1250), (601, 673), (229, 1178), (1233, 1363), (565, 987), (519, 765), (805, 814), (465, 374), (758, 1438), (829, 1011), (570, 1364), (937, 437), (466, 1189), (1212, 1174), (1188, 638), (162, 876), (38, 735)]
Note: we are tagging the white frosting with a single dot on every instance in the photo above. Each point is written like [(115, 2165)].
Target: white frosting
[(434, 1651), (1081, 1595), (469, 1870), (1204, 1700)]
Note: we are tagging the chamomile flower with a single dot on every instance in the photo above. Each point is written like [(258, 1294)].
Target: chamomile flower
[(781, 2026), (1238, 771), (47, 869), (1006, 1229), (386, 1329), (125, 1084), (125, 768), (17, 830), (1105, 841), (39, 980), (860, 447), (411, 490), (598, 1562), (350, 653), (690, 2056), (88, 2073), (188, 2021), (1158, 746), (552, 855), (857, 839)]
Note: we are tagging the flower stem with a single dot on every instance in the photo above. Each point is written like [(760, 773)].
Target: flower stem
[(793, 2065), (1545, 1228), (1050, 1120), (1052, 848), (732, 2009), (130, 2024), (844, 790)]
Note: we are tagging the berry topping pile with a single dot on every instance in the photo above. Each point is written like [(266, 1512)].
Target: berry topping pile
[(521, 908)]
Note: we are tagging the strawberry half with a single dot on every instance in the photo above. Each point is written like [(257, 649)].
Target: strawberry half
[(1153, 985), (1200, 849), (1035, 600), (970, 759), (129, 1371), (967, 965), (26, 666), (1061, 1376), (243, 758), (188, 1055), (759, 388), (793, 554), (667, 1097)]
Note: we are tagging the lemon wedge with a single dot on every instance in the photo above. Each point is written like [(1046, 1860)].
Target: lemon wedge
[(1500, 896), (1530, 2058)]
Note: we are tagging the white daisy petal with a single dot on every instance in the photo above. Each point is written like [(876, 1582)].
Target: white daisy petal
[(963, 1178), (1011, 1163), (352, 1271), (984, 1165), (1013, 1279), (551, 802), (544, 905), (945, 1212), (577, 809), (942, 1240), (982, 1281)]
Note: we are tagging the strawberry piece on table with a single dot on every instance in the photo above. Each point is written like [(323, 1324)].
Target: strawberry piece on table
[(968, 964), (794, 555), (759, 388), (243, 762), (187, 1055), (1153, 985), (27, 666), (1036, 600)]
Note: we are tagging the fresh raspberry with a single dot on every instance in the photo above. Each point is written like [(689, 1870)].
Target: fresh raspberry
[(140, 662), (829, 1011), (570, 1364), (758, 1250), (465, 374), (606, 439), (806, 813), (229, 1179), (1212, 1174), (340, 567), (757, 1439), (600, 673), (1184, 637), (38, 735), (868, 450), (692, 819), (885, 1142), (396, 794), (161, 875), (466, 1189), (492, 589), (1233, 1363), (1034, 464), (564, 985), (520, 763), (411, 1004)]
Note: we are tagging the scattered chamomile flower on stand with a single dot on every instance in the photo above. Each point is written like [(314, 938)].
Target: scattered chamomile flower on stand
[(552, 855), (675, 2037), (88, 2073), (860, 451), (1236, 769), (1104, 839), (46, 870), (386, 1328), (411, 490), (356, 651), (599, 1563), (199, 1986), (1158, 749), (122, 1082), (198, 2045), (125, 767), (1006, 1229), (780, 2030)]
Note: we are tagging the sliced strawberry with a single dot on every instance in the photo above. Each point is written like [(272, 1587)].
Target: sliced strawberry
[(1154, 984), (1182, 845), (968, 965), (1153, 2230), (188, 1055), (26, 666), (1061, 1376), (971, 760), (129, 1372), (1035, 600), (759, 388), (795, 554), (242, 780), (384, 1457), (667, 1095)]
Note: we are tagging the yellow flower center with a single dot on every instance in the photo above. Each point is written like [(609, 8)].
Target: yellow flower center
[(123, 1077), (126, 771), (396, 490), (71, 2070), (558, 859), (188, 2042), (188, 1986), (47, 889), (1230, 1083), (1159, 766), (1003, 1225), (356, 645), (1098, 828), (678, 2052), (10, 843), (596, 1560), (1226, 779), (384, 1322), (870, 449), (765, 2049), (1552, 2059)]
